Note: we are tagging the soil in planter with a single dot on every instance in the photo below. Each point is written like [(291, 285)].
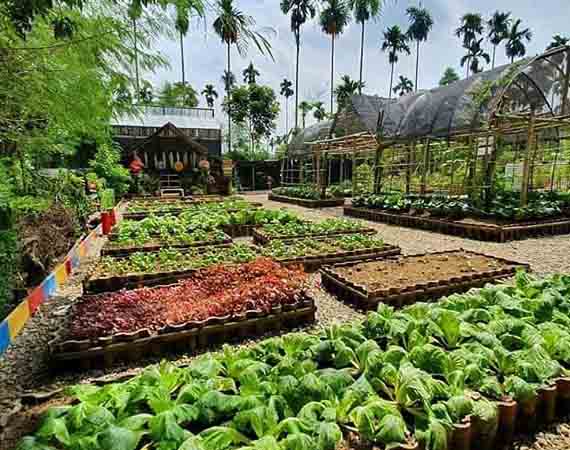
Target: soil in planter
[(412, 270)]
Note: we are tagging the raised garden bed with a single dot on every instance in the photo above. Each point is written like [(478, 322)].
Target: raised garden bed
[(215, 304), (403, 280), (471, 230), (326, 228), (116, 249), (187, 337), (314, 253), (307, 203), (166, 266), (238, 230)]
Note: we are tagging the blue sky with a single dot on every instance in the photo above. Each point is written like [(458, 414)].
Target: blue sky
[(205, 54)]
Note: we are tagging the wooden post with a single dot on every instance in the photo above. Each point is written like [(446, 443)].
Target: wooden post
[(423, 187), (318, 169), (490, 170), (378, 168), (566, 86), (341, 168), (353, 172), (408, 166), (528, 159)]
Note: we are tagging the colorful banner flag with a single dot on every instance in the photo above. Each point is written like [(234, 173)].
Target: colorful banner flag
[(17, 319), (4, 336), (35, 299), (60, 275), (49, 286)]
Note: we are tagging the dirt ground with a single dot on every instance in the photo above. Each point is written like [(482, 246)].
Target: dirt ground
[(25, 367)]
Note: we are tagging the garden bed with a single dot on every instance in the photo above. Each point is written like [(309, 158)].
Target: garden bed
[(326, 228), (307, 203), (215, 304), (146, 269), (238, 230), (472, 230), (312, 253), (156, 245), (187, 337), (404, 280)]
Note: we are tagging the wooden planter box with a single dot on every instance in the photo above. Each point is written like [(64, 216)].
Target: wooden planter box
[(361, 298), (480, 232), (314, 263), (188, 337), (325, 203), (260, 238), (235, 231), (156, 246)]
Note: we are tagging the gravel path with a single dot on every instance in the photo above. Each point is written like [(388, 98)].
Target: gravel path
[(24, 368)]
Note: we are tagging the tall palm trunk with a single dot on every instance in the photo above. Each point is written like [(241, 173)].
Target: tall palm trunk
[(137, 79), (494, 52), (182, 58), (298, 42), (229, 101), (391, 81), (417, 63), (361, 58), (286, 116), (332, 73)]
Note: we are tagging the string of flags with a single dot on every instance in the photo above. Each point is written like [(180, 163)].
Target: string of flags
[(12, 325)]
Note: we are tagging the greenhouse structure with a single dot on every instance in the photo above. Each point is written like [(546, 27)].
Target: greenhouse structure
[(508, 127)]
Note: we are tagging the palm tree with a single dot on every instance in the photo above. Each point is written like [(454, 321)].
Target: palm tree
[(515, 40), (183, 12), (346, 89), (364, 10), (421, 24), (473, 56), (229, 80), (395, 42), (334, 18), (470, 31), (449, 76), (301, 11), (558, 41), (210, 93), (250, 74), (305, 107), (404, 86), (236, 28), (319, 112), (286, 92), (498, 28)]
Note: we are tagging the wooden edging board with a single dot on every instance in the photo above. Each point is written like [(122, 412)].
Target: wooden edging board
[(155, 247), (361, 298), (260, 238), (314, 263), (480, 232), (188, 337), (307, 203)]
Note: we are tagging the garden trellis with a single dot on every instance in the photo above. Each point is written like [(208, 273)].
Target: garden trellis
[(508, 128)]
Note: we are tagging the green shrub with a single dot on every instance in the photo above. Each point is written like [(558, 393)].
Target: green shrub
[(106, 165)]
